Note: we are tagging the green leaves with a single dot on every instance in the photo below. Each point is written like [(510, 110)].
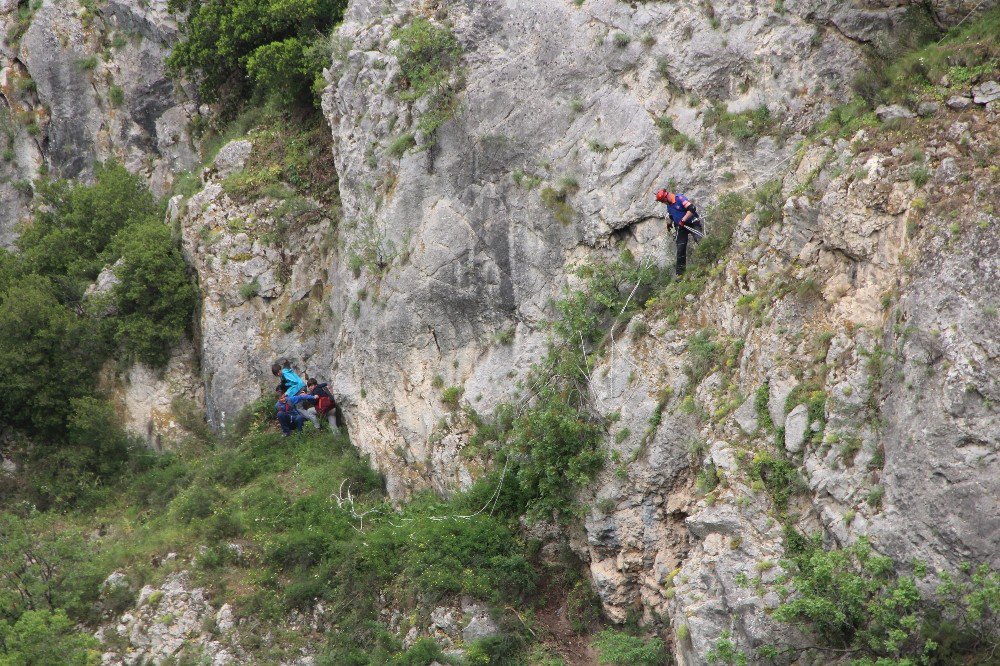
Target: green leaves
[(273, 48), (45, 637), (854, 600), (155, 298)]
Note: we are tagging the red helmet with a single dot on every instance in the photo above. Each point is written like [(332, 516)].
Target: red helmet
[(665, 197)]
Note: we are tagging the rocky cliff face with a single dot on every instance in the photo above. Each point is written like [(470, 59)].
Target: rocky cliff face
[(81, 82), (870, 294), (852, 325)]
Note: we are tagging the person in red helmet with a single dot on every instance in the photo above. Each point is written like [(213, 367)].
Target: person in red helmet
[(684, 217)]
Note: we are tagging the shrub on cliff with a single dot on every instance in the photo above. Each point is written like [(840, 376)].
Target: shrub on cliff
[(273, 48)]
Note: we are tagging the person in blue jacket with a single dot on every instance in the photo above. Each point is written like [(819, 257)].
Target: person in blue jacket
[(289, 417), (684, 217), (292, 385), (291, 382)]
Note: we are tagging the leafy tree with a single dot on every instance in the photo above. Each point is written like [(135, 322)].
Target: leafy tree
[(46, 637), (48, 354), (77, 221), (155, 298), (271, 47), (856, 603)]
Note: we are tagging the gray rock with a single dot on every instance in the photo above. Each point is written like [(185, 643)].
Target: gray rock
[(985, 93), (890, 112), (115, 580), (746, 416), (927, 109), (958, 102), (948, 171), (781, 388), (233, 156), (480, 625), (796, 426)]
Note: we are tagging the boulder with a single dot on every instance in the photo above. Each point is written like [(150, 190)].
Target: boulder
[(927, 109), (746, 416), (985, 93), (890, 112), (958, 102), (796, 425), (233, 157)]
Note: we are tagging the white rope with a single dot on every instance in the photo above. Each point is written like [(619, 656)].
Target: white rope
[(956, 26)]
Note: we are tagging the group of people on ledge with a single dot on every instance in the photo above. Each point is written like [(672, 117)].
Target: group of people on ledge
[(301, 400)]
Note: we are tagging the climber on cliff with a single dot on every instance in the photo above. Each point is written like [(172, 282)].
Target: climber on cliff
[(326, 406), (289, 417), (684, 217), (292, 385)]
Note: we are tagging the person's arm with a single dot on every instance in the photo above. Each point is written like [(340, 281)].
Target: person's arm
[(689, 212)]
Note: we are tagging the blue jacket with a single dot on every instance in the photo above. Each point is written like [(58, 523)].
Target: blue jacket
[(289, 406), (680, 208), (293, 382)]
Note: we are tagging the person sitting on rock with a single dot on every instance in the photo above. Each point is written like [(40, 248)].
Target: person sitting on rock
[(684, 216), (326, 406), (292, 385), (289, 417)]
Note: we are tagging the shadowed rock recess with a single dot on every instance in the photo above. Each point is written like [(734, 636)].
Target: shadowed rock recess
[(835, 370)]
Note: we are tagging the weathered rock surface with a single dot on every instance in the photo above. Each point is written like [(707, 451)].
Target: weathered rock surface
[(72, 100), (483, 255)]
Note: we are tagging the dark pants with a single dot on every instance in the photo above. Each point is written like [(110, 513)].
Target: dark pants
[(682, 244), (290, 422)]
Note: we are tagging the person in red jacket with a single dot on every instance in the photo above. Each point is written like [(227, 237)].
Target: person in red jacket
[(684, 217), (326, 406)]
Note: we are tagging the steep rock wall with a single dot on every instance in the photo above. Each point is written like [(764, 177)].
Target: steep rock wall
[(553, 91), (80, 84)]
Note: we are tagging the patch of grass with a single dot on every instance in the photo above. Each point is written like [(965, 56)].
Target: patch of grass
[(669, 135), (116, 96), (556, 200), (249, 290), (740, 126), (400, 145), (526, 180), (621, 40), (623, 649)]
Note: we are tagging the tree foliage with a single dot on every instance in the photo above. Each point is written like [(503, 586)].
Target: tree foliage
[(155, 297), (856, 603), (273, 48)]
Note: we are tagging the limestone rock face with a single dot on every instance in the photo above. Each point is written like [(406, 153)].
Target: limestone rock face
[(264, 301), (72, 100), (470, 251)]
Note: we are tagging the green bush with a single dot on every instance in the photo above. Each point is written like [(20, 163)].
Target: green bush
[(452, 395), (76, 222), (854, 601), (779, 476), (116, 96), (500, 650), (622, 649), (273, 48), (556, 201), (155, 297), (429, 59), (46, 637), (47, 353)]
